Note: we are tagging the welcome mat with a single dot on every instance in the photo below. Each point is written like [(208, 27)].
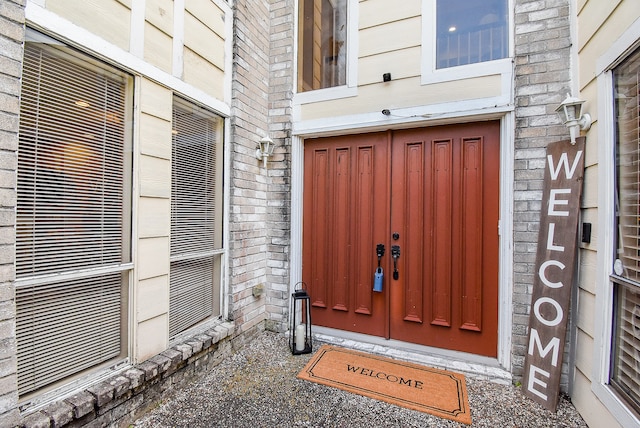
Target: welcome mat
[(438, 392)]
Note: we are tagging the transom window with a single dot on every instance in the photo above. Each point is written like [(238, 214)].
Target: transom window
[(469, 32), (322, 44), (625, 359)]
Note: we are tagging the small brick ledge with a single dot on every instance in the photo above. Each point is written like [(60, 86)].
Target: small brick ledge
[(122, 398)]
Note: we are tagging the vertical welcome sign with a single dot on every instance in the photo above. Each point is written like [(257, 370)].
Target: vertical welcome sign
[(554, 274)]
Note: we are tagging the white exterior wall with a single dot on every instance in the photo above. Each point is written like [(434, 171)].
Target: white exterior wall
[(141, 41), (399, 41), (604, 32), (151, 234)]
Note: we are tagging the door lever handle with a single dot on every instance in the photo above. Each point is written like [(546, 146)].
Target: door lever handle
[(395, 253)]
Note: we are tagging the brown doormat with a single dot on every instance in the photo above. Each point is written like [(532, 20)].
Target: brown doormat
[(438, 392)]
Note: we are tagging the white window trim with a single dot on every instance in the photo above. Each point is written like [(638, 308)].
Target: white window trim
[(345, 91), (505, 279), (629, 40), (429, 73)]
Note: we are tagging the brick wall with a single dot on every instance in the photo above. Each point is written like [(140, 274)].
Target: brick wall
[(281, 63), (259, 212), (542, 80), (123, 397), (11, 52)]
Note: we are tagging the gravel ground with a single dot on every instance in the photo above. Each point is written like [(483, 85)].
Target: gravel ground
[(257, 387)]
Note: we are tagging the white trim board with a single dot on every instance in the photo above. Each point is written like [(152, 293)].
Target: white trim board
[(475, 366)]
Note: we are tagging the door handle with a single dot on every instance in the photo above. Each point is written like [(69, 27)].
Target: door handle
[(395, 253)]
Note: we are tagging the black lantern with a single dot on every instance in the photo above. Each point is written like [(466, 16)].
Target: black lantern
[(300, 328)]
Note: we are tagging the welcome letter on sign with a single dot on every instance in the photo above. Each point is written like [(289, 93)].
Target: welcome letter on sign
[(554, 271)]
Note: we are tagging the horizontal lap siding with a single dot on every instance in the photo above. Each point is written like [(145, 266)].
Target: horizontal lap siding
[(390, 41), (403, 93), (599, 25), (154, 183), (109, 19)]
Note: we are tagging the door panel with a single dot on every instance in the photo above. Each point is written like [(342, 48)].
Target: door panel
[(448, 238), (438, 189), (346, 214)]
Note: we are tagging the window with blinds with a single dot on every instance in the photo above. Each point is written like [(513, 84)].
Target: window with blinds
[(196, 216), (625, 360), (73, 215)]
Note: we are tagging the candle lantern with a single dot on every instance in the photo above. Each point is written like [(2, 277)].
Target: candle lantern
[(300, 329)]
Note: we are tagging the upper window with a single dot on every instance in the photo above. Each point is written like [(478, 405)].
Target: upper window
[(322, 44), (625, 346), (73, 213), (470, 32)]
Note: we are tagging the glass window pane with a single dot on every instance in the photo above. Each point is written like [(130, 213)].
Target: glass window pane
[(322, 44), (470, 31), (72, 179), (625, 375), (625, 347), (626, 78)]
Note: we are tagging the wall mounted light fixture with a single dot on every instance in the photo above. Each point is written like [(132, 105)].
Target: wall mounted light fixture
[(570, 112), (264, 150)]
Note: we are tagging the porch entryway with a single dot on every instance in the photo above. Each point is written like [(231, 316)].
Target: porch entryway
[(430, 196)]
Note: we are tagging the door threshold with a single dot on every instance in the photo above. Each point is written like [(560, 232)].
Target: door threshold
[(474, 366)]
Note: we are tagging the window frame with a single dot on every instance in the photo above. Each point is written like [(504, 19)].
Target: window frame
[(430, 74), (336, 92), (603, 322), (182, 253), (89, 271)]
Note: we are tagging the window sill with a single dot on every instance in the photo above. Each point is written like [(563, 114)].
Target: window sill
[(616, 407), (501, 66), (325, 94)]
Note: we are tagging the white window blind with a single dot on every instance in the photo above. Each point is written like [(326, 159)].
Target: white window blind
[(66, 327), (70, 173), (191, 293), (625, 362), (196, 215), (72, 215)]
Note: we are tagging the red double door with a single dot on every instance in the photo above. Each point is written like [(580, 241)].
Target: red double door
[(431, 197)]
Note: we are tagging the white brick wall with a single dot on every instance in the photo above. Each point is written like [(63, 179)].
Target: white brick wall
[(281, 63), (253, 212), (543, 79), (11, 51)]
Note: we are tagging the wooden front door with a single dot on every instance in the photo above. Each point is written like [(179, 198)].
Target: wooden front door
[(431, 197)]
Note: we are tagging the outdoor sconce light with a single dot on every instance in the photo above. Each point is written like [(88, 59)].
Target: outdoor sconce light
[(300, 340), (570, 112), (264, 150)]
